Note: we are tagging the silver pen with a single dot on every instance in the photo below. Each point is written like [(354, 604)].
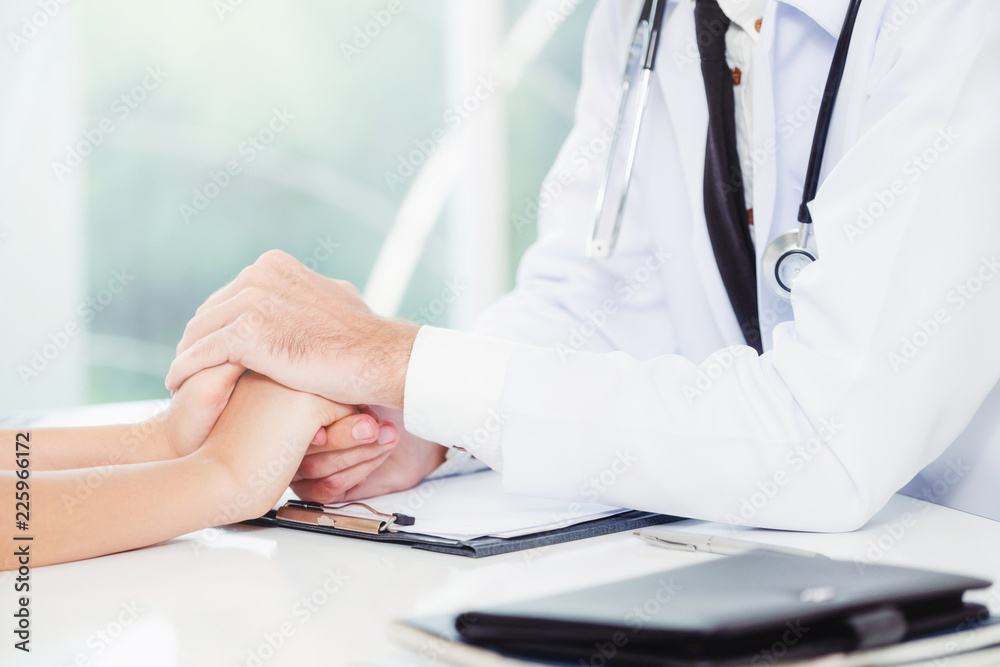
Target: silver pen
[(714, 544)]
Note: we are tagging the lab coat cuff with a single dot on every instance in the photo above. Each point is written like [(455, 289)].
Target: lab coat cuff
[(454, 385)]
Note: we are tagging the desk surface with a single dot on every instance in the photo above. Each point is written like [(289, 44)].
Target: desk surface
[(252, 596)]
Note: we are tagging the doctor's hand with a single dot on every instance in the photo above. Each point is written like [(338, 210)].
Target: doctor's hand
[(335, 476), (307, 332)]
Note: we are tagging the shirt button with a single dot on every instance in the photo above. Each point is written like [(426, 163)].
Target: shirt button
[(758, 24), (737, 76)]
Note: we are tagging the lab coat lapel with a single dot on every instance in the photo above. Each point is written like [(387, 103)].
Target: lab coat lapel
[(678, 73), (829, 14)]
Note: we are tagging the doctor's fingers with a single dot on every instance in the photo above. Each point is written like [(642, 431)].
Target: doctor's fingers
[(219, 347), (252, 303), (275, 272), (333, 488)]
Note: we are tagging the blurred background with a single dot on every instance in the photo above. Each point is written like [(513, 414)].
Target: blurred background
[(150, 151)]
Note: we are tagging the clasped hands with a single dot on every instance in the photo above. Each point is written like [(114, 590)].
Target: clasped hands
[(315, 337)]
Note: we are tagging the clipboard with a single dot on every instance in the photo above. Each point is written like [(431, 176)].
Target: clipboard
[(453, 497), (479, 547)]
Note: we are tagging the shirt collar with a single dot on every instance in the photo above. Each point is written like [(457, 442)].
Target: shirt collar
[(744, 13), (827, 13)]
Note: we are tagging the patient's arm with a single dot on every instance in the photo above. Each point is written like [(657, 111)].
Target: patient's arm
[(247, 461), (178, 430)]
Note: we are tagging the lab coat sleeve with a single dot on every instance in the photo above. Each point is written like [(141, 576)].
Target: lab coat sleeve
[(892, 350)]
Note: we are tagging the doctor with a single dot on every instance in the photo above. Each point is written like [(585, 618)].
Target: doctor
[(662, 372)]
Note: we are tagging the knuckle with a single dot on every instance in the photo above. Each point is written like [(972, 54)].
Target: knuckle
[(242, 327), (276, 259), (270, 257), (331, 487), (310, 468), (249, 275), (346, 286), (252, 299)]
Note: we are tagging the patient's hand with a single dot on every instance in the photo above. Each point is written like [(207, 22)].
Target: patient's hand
[(196, 407), (263, 434)]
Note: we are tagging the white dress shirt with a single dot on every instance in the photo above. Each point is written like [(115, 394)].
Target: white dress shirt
[(741, 41)]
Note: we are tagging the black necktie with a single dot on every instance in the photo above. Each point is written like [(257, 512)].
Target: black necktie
[(725, 208)]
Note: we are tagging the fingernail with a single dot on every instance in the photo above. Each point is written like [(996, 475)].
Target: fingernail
[(363, 430), (386, 434)]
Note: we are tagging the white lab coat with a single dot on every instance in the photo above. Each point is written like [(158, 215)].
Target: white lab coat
[(628, 381)]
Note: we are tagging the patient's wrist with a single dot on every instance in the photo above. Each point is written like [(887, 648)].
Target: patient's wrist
[(228, 498), (157, 446)]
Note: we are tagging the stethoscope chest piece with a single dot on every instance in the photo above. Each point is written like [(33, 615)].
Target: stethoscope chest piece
[(784, 258)]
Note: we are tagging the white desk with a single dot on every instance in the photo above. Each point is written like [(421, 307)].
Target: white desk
[(211, 597)]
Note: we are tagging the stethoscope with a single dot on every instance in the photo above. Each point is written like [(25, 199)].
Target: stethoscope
[(787, 254)]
